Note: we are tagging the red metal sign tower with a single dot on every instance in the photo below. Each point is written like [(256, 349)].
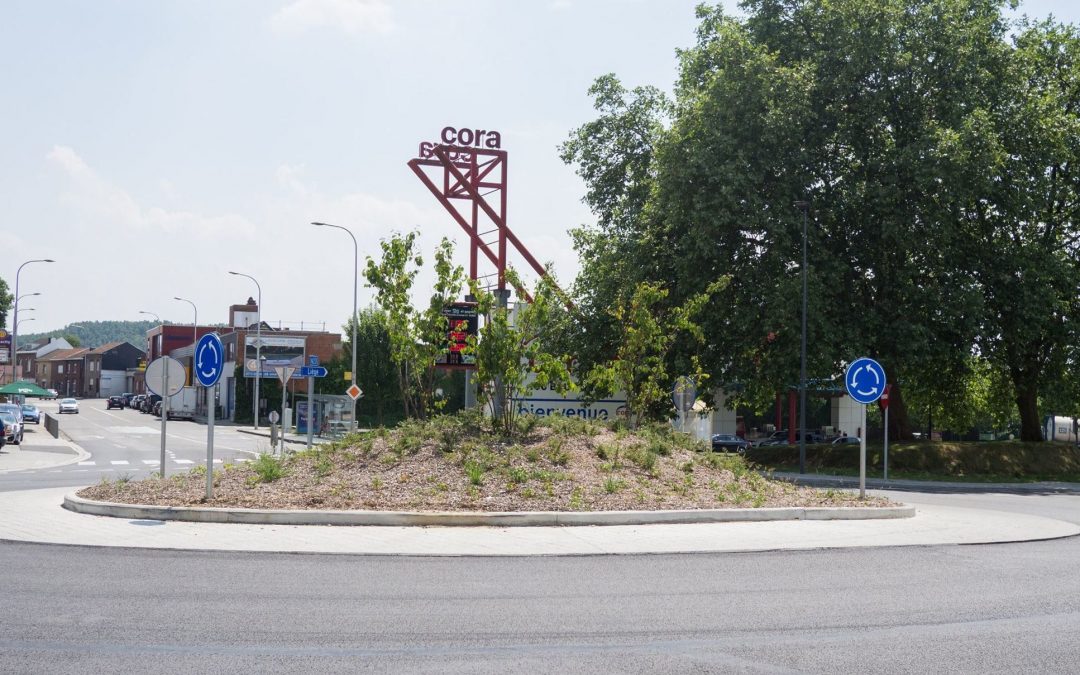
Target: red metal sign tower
[(466, 172)]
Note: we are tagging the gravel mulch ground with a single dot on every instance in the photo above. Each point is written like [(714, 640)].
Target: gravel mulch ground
[(446, 465)]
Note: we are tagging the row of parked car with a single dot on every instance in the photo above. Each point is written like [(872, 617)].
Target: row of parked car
[(733, 443), (146, 403), (12, 418)]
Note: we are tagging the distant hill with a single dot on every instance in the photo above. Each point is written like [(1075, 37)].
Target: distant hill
[(97, 333)]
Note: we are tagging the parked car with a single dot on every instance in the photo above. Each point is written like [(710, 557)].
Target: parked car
[(147, 404), (846, 440), (156, 410), (729, 443), (114, 402), (778, 437), (69, 405), (52, 394), (136, 401), (13, 408), (30, 413), (13, 429), (126, 398)]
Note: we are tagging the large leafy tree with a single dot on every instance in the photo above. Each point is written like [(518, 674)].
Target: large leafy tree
[(878, 115), (1022, 222)]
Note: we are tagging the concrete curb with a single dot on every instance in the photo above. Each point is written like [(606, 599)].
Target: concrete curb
[(77, 504), (300, 441)]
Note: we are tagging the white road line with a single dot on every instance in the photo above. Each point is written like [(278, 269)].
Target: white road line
[(151, 462), (119, 462), (88, 463), (186, 461)]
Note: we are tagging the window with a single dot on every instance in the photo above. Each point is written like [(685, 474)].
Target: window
[(60, 368)]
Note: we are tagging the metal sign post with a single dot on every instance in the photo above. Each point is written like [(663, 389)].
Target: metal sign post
[(284, 373), (884, 403), (165, 377), (865, 382), (208, 359)]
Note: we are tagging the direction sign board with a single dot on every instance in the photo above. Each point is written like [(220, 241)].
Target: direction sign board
[(313, 359), (209, 359), (156, 375), (865, 380), (313, 371)]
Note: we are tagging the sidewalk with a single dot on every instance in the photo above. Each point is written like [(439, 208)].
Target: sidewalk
[(43, 520), (852, 482), (297, 439), (39, 450)]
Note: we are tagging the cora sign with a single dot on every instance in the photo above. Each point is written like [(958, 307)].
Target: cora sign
[(461, 138)]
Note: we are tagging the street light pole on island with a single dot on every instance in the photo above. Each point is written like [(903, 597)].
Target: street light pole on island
[(803, 206), (258, 344), (353, 321)]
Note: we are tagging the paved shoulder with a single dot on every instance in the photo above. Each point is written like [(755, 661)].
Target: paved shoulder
[(47, 522)]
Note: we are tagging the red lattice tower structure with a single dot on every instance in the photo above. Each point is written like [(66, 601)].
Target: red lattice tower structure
[(467, 174)]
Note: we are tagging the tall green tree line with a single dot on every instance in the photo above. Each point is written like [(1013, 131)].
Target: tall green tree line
[(935, 142)]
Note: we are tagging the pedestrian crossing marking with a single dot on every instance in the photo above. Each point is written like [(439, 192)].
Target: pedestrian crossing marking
[(119, 462)]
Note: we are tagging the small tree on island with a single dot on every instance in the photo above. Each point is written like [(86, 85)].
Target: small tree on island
[(648, 332), (512, 350), (417, 337)]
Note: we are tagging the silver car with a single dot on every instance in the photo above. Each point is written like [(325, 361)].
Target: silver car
[(69, 405), (13, 428)]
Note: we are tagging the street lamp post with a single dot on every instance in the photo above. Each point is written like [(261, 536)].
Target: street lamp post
[(258, 344), (15, 316), (194, 335), (352, 320), (803, 206)]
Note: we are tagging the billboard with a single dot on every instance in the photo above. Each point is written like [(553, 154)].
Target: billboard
[(5, 346), (461, 322), (274, 351)]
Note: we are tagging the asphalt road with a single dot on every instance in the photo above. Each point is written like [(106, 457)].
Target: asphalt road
[(974, 609), (127, 442)]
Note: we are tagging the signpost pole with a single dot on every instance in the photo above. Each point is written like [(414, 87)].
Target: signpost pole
[(862, 455), (210, 405), (164, 415), (311, 409), (886, 459)]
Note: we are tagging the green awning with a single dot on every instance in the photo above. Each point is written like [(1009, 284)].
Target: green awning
[(23, 389)]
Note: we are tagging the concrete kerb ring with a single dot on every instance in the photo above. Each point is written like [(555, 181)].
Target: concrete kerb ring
[(198, 514)]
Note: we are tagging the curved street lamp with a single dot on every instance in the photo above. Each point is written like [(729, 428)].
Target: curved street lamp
[(258, 344), (15, 312), (195, 330), (353, 321)]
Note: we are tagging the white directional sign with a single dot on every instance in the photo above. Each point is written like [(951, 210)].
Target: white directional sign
[(865, 380), (155, 376), (209, 359)]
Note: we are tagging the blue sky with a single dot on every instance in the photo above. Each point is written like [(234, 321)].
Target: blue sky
[(150, 147)]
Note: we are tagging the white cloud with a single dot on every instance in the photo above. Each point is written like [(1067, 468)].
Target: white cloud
[(100, 202), (351, 16)]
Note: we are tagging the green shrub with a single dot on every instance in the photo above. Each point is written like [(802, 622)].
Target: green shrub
[(475, 471), (267, 468)]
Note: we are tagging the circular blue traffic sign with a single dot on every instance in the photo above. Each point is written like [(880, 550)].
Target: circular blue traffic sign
[(209, 359), (865, 380)]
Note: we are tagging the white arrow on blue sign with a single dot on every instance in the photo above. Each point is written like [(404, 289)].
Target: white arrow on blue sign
[(209, 359), (865, 380), (313, 371)]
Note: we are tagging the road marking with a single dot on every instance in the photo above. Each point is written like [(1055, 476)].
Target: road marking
[(88, 463), (184, 461), (151, 462), (119, 462)]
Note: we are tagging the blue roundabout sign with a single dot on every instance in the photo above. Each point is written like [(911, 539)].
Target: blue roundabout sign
[(865, 380), (209, 359)]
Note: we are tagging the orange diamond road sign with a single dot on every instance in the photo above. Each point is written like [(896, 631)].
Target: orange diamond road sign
[(354, 392)]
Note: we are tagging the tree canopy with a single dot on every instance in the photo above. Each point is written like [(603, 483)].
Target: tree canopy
[(934, 141)]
